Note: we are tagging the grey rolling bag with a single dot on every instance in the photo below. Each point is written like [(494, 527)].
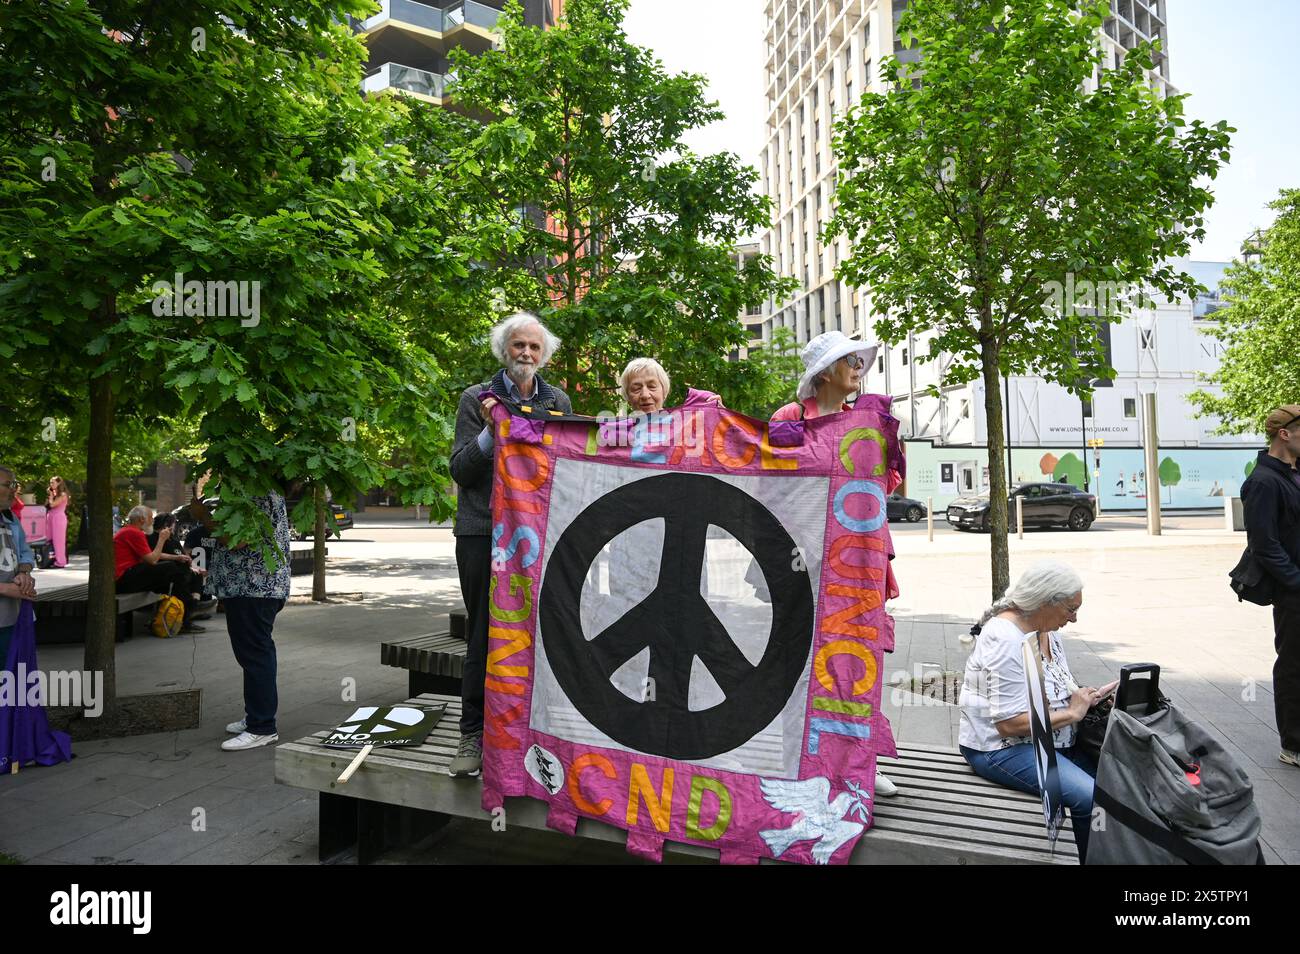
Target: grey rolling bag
[(1168, 792)]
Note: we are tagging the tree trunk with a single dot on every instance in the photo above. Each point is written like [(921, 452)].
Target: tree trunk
[(318, 546), (999, 557), (101, 608)]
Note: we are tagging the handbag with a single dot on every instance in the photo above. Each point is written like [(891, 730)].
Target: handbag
[(1251, 582), (1091, 731)]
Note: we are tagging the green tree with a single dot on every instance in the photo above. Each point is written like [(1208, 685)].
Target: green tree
[(1258, 370), (1000, 204), (1170, 474), (228, 144), (781, 370), (629, 239), (1071, 468)]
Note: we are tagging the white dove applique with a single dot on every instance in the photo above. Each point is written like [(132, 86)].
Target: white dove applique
[(820, 819)]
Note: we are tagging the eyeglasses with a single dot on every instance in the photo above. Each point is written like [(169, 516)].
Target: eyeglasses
[(1287, 425), (855, 361), (8, 484)]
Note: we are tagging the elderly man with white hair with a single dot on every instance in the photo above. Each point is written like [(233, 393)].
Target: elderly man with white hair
[(523, 345), (140, 568)]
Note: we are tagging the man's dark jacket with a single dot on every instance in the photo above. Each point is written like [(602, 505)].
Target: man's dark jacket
[(1270, 499), (470, 467)]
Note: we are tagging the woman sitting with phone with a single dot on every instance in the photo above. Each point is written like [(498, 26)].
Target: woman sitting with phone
[(994, 736)]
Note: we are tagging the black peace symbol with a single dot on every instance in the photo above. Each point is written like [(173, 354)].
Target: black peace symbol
[(675, 620)]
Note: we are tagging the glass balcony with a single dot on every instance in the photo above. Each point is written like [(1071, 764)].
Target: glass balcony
[(408, 78), (430, 18), (479, 14)]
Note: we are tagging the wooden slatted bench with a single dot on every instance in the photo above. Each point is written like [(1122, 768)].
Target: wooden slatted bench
[(302, 559), (434, 662), (61, 613), (943, 814)]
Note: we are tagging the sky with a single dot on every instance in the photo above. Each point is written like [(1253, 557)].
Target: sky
[(1238, 61)]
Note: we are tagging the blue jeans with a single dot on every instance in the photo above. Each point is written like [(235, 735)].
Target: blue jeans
[(1015, 767), (249, 620)]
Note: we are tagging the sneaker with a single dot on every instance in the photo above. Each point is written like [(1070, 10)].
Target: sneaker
[(247, 740), (237, 727), (469, 757), (1289, 757), (191, 628), (884, 787)]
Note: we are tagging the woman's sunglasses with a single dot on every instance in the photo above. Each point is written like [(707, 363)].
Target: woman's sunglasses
[(855, 361)]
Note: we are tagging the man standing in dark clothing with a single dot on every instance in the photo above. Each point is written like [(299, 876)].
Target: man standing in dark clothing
[(1270, 499), (523, 346)]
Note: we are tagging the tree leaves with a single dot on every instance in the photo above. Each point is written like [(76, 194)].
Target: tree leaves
[(1053, 185), (633, 247), (1257, 371)]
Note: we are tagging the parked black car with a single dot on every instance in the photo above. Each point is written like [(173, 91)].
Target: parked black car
[(898, 507), (341, 519), (1046, 505)]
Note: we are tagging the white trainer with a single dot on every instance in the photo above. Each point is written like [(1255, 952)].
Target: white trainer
[(237, 727), (246, 740), (884, 787)]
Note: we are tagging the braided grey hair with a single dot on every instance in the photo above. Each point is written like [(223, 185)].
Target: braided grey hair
[(1044, 583)]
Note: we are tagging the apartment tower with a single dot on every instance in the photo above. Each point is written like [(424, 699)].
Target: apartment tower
[(821, 56)]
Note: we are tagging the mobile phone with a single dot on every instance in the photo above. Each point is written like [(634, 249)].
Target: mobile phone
[(1107, 690)]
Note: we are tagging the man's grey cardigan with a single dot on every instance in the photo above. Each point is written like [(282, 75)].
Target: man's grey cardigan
[(470, 467)]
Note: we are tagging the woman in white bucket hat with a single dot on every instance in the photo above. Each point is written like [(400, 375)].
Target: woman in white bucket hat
[(834, 367)]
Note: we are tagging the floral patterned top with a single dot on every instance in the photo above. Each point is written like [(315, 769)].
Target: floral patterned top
[(233, 573)]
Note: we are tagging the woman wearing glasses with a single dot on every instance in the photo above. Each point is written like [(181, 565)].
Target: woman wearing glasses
[(994, 736), (834, 368)]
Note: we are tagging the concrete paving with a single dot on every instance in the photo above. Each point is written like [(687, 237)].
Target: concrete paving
[(177, 798)]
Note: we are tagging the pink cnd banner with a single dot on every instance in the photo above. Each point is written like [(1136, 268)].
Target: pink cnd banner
[(687, 626)]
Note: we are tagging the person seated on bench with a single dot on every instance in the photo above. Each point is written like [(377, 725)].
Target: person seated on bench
[(139, 568), (994, 736), (16, 561), (197, 577)]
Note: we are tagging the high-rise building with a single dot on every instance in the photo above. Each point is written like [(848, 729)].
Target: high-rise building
[(751, 318), (409, 41), (821, 56)]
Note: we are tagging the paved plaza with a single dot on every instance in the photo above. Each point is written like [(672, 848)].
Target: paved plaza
[(178, 798)]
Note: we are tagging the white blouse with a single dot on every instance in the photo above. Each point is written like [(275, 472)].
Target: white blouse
[(994, 687)]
